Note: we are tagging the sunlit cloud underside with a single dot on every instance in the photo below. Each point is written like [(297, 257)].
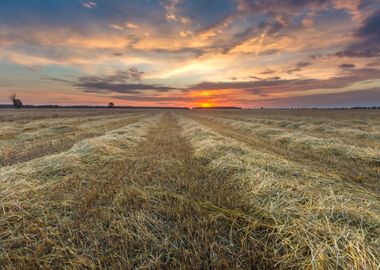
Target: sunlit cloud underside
[(248, 53)]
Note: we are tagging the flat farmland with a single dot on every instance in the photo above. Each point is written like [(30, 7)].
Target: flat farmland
[(189, 189)]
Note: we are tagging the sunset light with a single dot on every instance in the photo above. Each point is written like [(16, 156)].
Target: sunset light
[(245, 53), (190, 134), (206, 104)]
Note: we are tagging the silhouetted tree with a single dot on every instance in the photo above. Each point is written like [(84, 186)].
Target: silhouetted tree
[(16, 102), (111, 105)]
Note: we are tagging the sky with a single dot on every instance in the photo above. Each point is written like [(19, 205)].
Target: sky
[(247, 53)]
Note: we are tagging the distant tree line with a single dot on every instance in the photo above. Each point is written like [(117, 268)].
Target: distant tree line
[(90, 107), (339, 108), (366, 108), (17, 103)]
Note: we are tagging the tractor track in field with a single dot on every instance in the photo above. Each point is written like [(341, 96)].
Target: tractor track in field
[(171, 192), (351, 170), (184, 193), (159, 207)]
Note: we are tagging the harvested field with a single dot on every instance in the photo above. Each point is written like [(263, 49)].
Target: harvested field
[(43, 137), (191, 190)]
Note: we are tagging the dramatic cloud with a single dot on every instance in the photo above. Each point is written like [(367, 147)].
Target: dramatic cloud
[(334, 100), (368, 35), (139, 97), (277, 85), (291, 7), (119, 82), (189, 52), (171, 11), (132, 74), (370, 27), (95, 87)]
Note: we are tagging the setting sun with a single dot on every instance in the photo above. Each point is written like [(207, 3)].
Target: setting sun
[(206, 104)]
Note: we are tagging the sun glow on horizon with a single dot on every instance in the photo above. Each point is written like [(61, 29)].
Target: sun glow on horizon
[(183, 53), (206, 104)]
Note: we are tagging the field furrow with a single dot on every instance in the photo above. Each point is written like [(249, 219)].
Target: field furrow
[(304, 212), (50, 205), (45, 169), (362, 167), (174, 190), (366, 134), (58, 136), (149, 205)]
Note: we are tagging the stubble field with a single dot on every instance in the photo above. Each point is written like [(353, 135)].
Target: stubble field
[(200, 189)]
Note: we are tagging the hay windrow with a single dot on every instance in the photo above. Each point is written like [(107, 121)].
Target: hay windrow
[(298, 140), (173, 191), (39, 138), (351, 163), (82, 155), (320, 222)]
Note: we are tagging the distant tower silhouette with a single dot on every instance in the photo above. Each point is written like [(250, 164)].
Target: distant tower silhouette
[(111, 105), (16, 102)]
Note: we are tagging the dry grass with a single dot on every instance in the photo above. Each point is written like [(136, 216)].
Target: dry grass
[(169, 192), (43, 201), (355, 162), (317, 222), (24, 141), (29, 114)]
